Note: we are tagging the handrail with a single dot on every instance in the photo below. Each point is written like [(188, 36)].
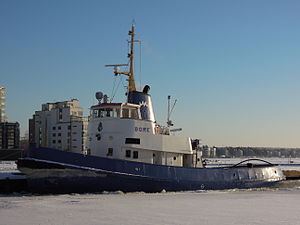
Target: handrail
[(247, 160)]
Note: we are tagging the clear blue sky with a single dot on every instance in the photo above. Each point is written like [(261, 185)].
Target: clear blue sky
[(234, 66)]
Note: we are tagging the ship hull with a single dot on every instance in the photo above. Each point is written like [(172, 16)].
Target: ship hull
[(55, 171)]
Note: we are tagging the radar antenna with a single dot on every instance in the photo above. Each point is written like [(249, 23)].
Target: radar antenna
[(116, 67)]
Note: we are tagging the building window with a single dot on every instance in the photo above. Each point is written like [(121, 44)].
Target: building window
[(59, 141), (54, 128), (59, 134), (174, 158), (53, 141), (59, 128), (132, 141), (135, 154), (128, 153), (69, 127), (54, 135), (110, 152)]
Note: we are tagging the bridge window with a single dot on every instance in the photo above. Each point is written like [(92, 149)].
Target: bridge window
[(125, 113), (101, 113), (117, 112), (134, 114), (130, 113), (106, 112)]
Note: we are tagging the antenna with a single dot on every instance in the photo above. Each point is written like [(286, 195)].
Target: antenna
[(170, 110)]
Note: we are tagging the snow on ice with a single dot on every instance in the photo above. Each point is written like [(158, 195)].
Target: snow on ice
[(234, 207)]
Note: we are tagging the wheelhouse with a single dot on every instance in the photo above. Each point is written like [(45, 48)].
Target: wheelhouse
[(116, 110)]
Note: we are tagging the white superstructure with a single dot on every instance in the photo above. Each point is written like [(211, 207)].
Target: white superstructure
[(116, 130), (59, 125)]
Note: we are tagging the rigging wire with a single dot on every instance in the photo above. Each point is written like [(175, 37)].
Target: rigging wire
[(124, 85), (114, 94), (116, 88), (140, 64), (173, 107), (113, 89)]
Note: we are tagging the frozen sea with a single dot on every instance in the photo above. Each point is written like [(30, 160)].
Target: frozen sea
[(275, 206)]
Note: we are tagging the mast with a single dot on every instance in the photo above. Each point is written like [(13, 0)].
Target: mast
[(131, 57), (130, 73), (141, 98)]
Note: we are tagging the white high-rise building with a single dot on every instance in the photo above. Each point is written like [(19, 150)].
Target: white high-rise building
[(59, 125), (3, 117)]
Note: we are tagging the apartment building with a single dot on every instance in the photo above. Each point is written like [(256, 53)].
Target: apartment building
[(59, 125), (9, 136), (3, 117)]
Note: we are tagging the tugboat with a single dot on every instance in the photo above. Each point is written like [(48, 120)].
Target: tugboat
[(129, 151)]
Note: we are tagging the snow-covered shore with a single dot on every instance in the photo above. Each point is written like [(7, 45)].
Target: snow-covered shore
[(8, 166)]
